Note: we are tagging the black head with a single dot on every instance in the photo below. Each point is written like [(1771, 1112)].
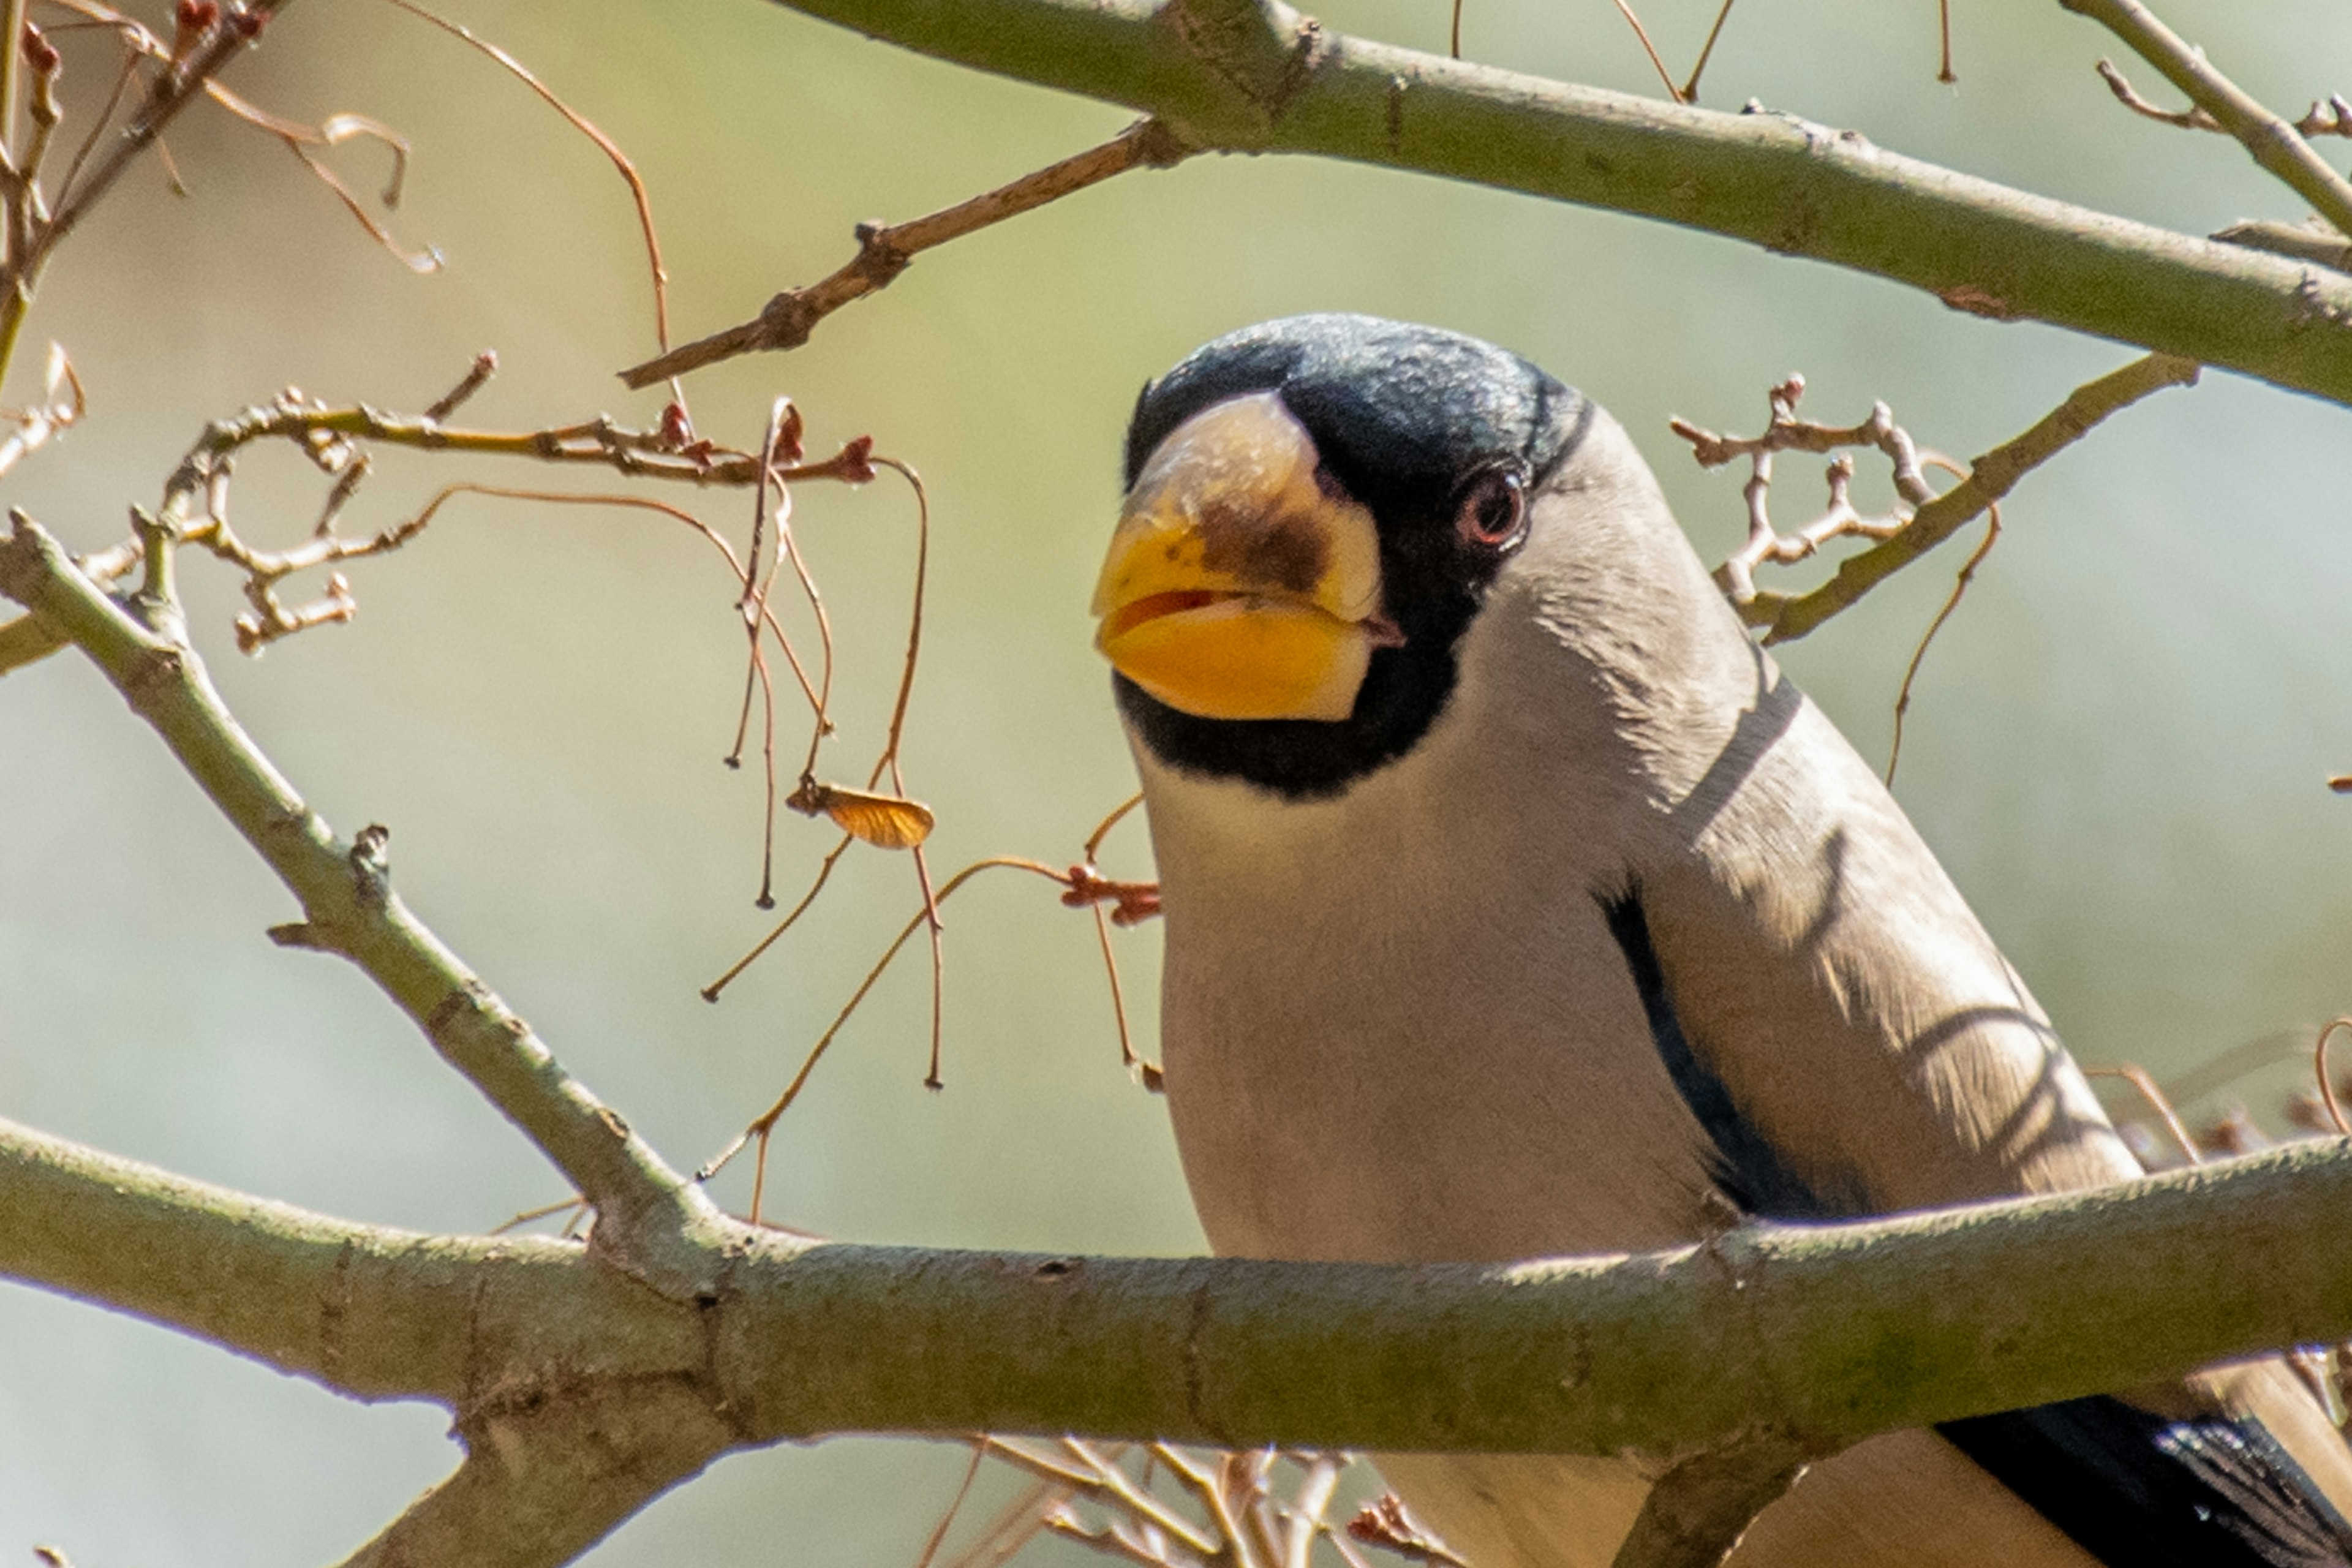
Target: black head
[(1444, 438)]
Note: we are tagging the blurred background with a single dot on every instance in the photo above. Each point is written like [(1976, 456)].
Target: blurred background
[(2119, 745)]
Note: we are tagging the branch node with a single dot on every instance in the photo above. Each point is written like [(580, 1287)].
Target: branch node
[(303, 936)]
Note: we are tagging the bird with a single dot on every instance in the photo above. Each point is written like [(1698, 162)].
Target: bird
[(1518, 905)]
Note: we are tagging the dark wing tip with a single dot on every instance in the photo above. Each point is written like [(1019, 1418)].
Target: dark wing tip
[(2136, 1489)]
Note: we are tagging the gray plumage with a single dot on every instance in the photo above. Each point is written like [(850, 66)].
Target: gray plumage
[(1402, 1019)]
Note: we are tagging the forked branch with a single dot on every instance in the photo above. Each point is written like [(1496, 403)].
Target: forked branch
[(2278, 146), (1921, 520), (349, 906)]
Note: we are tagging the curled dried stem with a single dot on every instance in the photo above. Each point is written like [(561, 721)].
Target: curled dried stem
[(2158, 1100), (2327, 1083), (638, 194)]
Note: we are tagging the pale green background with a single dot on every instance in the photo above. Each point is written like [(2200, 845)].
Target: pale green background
[(2118, 746)]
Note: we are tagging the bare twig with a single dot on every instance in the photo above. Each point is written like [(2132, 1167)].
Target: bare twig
[(334, 131), (2311, 241), (478, 376), (2158, 1100), (955, 1506), (1625, 9), (638, 194), (1689, 93), (763, 1126), (2328, 117), (1784, 432), (2327, 1083), (1922, 519), (1919, 655), (190, 71), (2272, 142), (884, 250), (2190, 118), (1385, 1523), (1015, 1525)]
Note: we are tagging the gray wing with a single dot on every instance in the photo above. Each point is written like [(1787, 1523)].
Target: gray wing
[(1853, 1042)]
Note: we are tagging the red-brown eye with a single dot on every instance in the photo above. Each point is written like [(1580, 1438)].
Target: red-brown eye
[(1493, 509)]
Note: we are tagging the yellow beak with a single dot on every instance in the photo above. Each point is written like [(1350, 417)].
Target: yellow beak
[(1237, 586)]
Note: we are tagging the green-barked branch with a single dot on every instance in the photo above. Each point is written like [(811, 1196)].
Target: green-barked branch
[(347, 905), (1821, 1334), (1254, 75)]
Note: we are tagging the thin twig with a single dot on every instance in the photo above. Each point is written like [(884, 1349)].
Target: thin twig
[(2158, 1100), (2272, 143), (823, 872), (299, 139), (892, 740), (883, 252), (2329, 117), (122, 81), (1015, 1525), (2327, 1084), (955, 1506), (1625, 9), (1689, 93), (1952, 602), (638, 194), (763, 1125), (562, 1206), (169, 92), (1786, 617)]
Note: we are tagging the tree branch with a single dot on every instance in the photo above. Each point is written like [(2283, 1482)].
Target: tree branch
[(2274, 145), (547, 1478), (1821, 1334), (645, 1209), (1700, 1509), (1266, 79), (367, 1311), (27, 640), (885, 251), (1991, 477)]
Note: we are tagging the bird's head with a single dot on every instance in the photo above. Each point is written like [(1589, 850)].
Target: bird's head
[(1315, 509)]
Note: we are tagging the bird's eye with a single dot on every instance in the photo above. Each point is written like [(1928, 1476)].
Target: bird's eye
[(1493, 509)]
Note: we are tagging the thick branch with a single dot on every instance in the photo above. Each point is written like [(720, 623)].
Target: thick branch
[(1823, 1334), (2273, 143), (1700, 1509), (349, 908), (1270, 80), (546, 1478), (367, 1311)]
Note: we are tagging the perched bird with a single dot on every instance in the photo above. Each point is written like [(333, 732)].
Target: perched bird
[(1518, 905)]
